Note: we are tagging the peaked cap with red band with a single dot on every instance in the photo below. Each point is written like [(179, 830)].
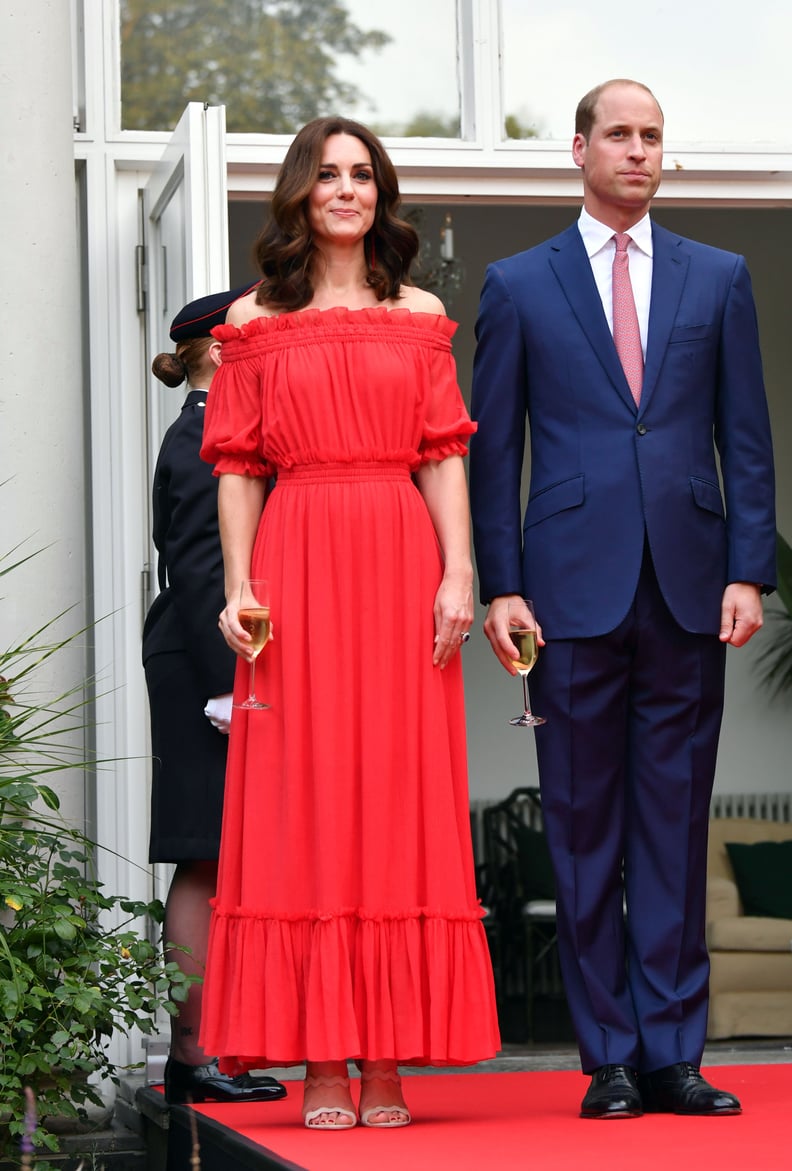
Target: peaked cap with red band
[(200, 317)]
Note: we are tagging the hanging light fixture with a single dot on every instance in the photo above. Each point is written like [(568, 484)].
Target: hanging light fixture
[(438, 270)]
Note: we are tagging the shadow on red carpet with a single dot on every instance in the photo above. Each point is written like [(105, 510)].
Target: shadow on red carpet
[(508, 1121)]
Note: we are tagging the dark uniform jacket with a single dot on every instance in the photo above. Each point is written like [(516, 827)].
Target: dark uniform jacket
[(184, 615)]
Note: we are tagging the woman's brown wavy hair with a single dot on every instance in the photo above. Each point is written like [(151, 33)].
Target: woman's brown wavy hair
[(284, 250)]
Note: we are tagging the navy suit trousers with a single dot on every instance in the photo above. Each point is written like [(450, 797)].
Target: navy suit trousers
[(626, 764)]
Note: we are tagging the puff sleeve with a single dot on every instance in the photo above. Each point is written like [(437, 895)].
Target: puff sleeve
[(232, 438), (447, 423)]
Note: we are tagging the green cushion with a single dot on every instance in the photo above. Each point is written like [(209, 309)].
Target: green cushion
[(536, 869), (763, 872)]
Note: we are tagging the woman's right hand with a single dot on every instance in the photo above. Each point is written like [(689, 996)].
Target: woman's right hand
[(235, 634)]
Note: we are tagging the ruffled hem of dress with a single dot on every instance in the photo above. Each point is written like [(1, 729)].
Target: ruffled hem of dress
[(415, 986), (317, 319), (467, 915)]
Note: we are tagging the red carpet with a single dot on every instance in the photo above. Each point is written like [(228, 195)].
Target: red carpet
[(505, 1121)]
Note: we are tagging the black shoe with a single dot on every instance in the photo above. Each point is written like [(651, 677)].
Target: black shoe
[(680, 1089), (205, 1083), (613, 1093)]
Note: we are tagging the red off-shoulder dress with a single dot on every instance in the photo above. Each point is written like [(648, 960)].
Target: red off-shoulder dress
[(346, 923)]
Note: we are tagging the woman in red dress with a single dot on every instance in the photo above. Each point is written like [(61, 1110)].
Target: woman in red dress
[(346, 885)]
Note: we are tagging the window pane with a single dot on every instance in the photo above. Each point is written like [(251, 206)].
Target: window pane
[(275, 64), (720, 72), (411, 87)]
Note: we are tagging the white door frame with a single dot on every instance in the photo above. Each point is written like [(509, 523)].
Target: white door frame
[(193, 164)]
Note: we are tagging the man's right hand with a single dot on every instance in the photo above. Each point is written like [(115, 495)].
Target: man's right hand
[(496, 628)]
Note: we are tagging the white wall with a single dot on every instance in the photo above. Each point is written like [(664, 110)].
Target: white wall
[(42, 497), (756, 744)]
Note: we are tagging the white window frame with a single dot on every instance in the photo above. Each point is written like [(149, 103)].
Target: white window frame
[(483, 167)]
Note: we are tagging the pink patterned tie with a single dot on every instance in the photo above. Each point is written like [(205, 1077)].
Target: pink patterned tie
[(626, 333)]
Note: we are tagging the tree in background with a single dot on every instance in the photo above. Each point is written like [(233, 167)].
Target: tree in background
[(272, 63), (433, 124), (515, 128), (426, 124)]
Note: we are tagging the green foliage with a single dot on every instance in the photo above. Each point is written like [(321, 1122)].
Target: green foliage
[(775, 661), (784, 563), (516, 129), (273, 63), (426, 124), (432, 124), (73, 965)]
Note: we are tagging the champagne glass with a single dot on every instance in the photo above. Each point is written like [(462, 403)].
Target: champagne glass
[(254, 616), (522, 632)]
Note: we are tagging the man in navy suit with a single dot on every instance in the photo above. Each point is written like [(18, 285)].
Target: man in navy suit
[(644, 560)]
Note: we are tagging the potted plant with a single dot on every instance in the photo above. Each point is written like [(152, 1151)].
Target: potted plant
[(775, 661), (75, 960)]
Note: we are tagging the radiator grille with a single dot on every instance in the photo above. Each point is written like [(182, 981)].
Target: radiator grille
[(766, 806)]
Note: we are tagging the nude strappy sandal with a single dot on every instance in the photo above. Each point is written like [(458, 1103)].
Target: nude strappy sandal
[(313, 1081), (384, 1075)]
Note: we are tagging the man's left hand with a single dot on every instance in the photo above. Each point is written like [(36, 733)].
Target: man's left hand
[(741, 612)]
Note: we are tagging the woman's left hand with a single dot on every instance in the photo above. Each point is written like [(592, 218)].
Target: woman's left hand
[(453, 615)]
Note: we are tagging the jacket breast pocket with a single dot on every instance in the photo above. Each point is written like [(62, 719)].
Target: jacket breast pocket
[(554, 499), (689, 333), (707, 495)]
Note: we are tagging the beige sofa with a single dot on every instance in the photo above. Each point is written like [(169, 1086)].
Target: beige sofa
[(751, 957)]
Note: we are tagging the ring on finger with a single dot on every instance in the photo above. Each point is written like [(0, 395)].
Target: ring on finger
[(464, 637)]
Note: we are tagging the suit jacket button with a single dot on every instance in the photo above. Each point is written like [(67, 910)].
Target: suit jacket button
[(641, 429)]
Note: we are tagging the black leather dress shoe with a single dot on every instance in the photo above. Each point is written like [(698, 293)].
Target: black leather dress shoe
[(205, 1083), (613, 1093), (680, 1089)]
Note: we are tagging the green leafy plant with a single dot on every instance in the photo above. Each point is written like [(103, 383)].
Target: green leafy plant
[(775, 661), (75, 961)]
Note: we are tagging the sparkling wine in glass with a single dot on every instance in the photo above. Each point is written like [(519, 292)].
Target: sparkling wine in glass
[(522, 632), (254, 616)]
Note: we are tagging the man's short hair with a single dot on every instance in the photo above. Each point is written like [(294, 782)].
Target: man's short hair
[(586, 112)]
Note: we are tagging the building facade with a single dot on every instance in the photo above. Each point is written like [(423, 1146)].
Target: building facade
[(109, 230)]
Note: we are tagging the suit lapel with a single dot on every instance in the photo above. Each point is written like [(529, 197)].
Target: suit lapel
[(669, 272), (572, 267)]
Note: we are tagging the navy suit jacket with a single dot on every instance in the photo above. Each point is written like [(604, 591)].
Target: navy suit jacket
[(183, 617), (605, 475)]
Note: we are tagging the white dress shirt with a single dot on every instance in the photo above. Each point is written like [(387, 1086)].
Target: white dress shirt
[(601, 247)]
